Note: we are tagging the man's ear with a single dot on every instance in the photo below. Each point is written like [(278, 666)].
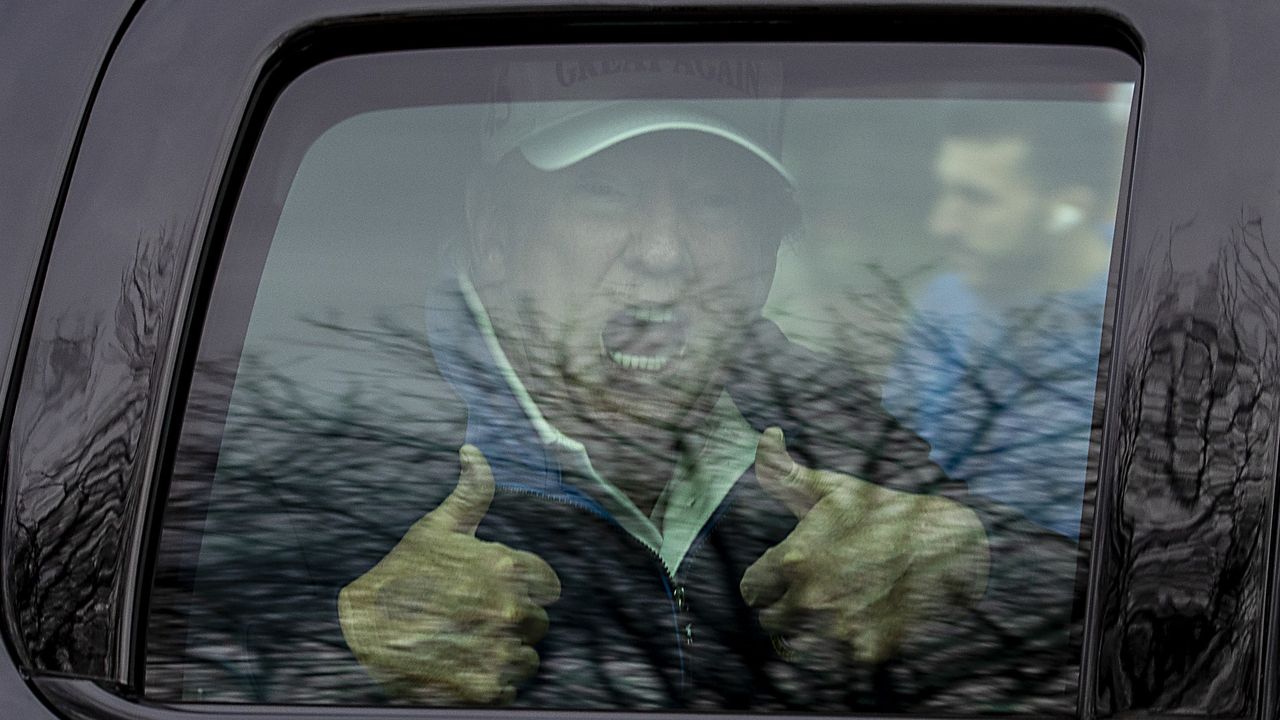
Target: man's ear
[(1070, 208)]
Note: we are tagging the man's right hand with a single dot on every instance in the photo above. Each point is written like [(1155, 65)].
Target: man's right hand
[(446, 618)]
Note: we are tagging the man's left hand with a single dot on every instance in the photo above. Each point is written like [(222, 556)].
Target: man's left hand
[(864, 564)]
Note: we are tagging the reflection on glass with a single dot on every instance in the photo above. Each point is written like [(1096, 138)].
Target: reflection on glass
[(614, 436)]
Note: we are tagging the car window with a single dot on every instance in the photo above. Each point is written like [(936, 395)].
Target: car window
[(721, 377)]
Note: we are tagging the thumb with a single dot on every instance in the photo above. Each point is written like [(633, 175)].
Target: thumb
[(792, 484), (466, 506)]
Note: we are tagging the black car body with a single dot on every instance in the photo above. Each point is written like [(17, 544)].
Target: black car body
[(127, 127)]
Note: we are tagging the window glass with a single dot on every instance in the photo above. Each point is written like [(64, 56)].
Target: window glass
[(728, 377)]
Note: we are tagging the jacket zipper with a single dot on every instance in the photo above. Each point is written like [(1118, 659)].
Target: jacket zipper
[(675, 591)]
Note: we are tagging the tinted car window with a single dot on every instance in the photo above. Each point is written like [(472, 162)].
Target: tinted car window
[(718, 377)]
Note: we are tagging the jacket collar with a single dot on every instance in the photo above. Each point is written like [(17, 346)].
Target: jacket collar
[(528, 454)]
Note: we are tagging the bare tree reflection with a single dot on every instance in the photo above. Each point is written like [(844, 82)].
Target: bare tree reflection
[(1195, 460), (68, 508), (314, 480), (314, 483)]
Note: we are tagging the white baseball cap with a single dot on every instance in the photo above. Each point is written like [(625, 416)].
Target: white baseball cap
[(559, 112)]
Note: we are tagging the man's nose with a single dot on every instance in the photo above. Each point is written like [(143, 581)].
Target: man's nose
[(659, 243)]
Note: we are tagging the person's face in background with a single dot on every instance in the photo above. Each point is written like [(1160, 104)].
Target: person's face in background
[(1008, 230), (622, 285), (988, 204)]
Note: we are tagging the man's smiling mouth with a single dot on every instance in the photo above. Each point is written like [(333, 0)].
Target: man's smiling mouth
[(645, 337)]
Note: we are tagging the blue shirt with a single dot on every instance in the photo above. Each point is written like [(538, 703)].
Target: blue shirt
[(1005, 399)]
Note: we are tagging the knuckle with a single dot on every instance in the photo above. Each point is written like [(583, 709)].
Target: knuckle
[(481, 687), (505, 565), (523, 664), (794, 558), (511, 612)]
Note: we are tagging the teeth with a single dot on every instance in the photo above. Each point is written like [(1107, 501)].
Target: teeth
[(652, 314), (650, 363)]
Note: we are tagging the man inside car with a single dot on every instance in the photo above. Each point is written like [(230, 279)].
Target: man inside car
[(661, 501)]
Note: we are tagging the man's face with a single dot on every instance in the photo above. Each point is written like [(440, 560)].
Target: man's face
[(622, 285), (989, 206)]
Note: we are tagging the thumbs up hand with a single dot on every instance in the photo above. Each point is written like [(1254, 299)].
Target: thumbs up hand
[(864, 564), (446, 618)]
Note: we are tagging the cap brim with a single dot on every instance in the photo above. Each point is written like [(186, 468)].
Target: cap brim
[(579, 137)]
